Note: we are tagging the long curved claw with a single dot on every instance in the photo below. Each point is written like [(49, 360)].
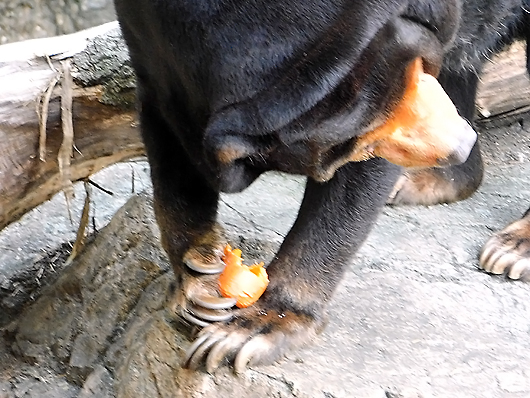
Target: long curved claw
[(504, 262), (196, 344), (199, 352), (251, 339), (198, 302), (210, 315), (493, 261), (213, 303), (193, 320), (487, 251), (204, 263), (223, 350), (197, 299), (256, 347), (520, 270)]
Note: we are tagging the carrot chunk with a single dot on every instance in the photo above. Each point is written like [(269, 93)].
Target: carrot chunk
[(244, 283)]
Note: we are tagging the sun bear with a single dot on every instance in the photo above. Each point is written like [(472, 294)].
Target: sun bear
[(228, 90)]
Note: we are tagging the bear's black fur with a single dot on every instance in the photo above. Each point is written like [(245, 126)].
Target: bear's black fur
[(231, 89)]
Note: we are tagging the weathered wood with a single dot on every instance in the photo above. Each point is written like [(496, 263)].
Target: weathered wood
[(104, 131), (504, 88), (104, 122)]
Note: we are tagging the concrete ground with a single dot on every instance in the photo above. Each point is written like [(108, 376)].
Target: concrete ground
[(414, 317)]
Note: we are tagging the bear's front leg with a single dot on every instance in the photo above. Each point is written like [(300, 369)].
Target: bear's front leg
[(334, 219), (185, 208)]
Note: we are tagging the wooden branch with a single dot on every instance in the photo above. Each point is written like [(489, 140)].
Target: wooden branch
[(36, 119), (32, 88), (504, 88)]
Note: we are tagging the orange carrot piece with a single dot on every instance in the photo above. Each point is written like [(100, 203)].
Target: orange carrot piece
[(245, 284)]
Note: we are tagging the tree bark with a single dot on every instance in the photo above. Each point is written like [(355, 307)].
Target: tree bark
[(504, 89), (48, 141), (33, 81)]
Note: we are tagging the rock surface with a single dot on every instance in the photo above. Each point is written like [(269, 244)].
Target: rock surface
[(31, 19), (414, 317), (33, 250)]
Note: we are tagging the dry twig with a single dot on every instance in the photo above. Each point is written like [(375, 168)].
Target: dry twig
[(65, 154)]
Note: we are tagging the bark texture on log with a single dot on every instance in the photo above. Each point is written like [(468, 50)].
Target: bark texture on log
[(504, 89), (32, 85)]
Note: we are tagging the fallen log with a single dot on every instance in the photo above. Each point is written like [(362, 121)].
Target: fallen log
[(54, 131), (504, 88)]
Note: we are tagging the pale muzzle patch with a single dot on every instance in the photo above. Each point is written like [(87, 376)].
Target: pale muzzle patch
[(423, 130)]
